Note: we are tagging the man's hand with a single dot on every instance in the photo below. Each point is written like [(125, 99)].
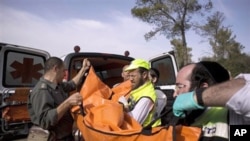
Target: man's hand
[(75, 99), (83, 71), (185, 102), (86, 64)]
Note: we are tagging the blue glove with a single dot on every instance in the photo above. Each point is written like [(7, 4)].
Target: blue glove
[(185, 102)]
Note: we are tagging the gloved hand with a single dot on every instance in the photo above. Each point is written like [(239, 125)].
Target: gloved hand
[(185, 102)]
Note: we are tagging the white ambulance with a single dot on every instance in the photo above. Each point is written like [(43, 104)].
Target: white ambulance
[(21, 67)]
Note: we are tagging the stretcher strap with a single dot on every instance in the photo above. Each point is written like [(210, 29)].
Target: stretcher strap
[(173, 122), (149, 126)]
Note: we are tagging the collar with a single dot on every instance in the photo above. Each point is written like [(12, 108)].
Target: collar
[(49, 83)]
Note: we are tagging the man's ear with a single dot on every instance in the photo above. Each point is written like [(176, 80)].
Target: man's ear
[(154, 79), (55, 68), (204, 85), (145, 74)]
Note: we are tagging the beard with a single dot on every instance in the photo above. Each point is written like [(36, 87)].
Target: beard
[(137, 84)]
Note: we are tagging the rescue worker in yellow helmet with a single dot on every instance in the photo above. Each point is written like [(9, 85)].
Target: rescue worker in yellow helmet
[(141, 103)]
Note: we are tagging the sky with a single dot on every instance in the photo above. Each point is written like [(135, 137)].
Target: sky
[(103, 26)]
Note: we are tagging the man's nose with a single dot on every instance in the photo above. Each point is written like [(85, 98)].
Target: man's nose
[(175, 94), (131, 78)]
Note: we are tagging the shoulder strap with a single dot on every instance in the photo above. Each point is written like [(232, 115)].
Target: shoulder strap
[(149, 126), (173, 122)]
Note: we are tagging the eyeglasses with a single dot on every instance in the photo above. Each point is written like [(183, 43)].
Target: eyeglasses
[(179, 86)]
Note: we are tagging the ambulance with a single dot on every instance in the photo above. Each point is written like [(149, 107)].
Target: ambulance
[(21, 68)]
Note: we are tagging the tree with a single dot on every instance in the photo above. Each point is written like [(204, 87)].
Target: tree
[(171, 18), (238, 64), (220, 37), (224, 45), (179, 52)]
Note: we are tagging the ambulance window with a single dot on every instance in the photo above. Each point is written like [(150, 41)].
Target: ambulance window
[(22, 69), (166, 70)]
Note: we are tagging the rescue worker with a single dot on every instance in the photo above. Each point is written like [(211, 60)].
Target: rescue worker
[(142, 97), (233, 94), (161, 102), (49, 103), (212, 120)]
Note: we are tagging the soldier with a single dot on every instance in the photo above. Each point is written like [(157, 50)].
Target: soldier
[(49, 103)]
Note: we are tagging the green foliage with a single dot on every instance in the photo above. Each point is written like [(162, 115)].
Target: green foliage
[(179, 52), (224, 44), (171, 18), (235, 65), (226, 50), (238, 64)]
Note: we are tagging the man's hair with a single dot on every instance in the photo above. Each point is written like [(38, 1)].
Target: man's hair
[(208, 72), (142, 70), (124, 68), (51, 62), (154, 73)]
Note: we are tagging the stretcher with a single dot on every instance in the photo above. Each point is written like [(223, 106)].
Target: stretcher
[(102, 117)]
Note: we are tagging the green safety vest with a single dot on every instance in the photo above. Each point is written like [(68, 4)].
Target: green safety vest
[(146, 90), (214, 123)]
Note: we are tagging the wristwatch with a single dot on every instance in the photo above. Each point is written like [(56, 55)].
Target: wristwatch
[(198, 93)]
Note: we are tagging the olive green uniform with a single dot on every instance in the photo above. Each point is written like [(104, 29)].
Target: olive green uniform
[(42, 104)]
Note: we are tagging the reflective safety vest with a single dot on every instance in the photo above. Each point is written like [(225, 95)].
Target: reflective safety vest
[(214, 123), (146, 90)]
